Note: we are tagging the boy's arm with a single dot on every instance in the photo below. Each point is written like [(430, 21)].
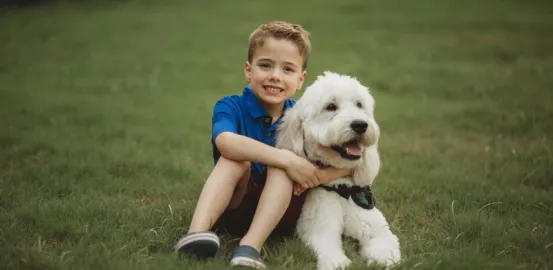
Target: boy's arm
[(241, 148), (326, 176), (330, 174)]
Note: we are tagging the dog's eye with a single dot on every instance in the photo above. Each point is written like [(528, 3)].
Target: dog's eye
[(331, 107), (359, 105)]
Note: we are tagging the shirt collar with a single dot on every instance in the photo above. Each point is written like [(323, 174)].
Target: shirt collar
[(254, 107)]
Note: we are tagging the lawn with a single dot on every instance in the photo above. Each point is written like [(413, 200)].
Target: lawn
[(105, 112)]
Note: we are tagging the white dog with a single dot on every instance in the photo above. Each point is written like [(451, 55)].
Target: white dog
[(332, 124)]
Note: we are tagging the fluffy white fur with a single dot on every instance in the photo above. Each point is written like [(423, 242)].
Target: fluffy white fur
[(311, 127)]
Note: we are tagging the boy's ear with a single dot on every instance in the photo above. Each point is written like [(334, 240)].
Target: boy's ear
[(248, 72), (302, 79)]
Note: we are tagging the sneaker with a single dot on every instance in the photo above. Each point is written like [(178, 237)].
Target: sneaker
[(202, 244), (246, 256)]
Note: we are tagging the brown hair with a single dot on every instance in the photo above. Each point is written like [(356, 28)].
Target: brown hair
[(281, 30)]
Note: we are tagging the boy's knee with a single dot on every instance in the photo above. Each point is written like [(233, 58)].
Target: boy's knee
[(246, 166), (240, 168), (239, 165), (246, 173), (277, 174)]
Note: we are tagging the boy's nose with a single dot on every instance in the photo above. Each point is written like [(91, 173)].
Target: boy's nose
[(275, 75)]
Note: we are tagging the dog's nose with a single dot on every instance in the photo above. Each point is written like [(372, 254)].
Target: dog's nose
[(359, 126)]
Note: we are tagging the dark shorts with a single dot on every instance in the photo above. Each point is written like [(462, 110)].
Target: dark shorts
[(237, 221)]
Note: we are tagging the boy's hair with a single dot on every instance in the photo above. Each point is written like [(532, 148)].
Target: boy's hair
[(281, 30)]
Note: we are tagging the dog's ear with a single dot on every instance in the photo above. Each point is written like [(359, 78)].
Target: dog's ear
[(367, 172), (290, 131)]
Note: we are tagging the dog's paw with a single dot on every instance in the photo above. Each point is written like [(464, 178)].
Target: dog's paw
[(382, 255), (333, 262)]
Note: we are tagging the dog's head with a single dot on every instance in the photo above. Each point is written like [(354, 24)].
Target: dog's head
[(332, 122)]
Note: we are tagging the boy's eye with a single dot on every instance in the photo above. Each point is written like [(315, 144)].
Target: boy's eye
[(331, 107), (264, 65), (289, 69)]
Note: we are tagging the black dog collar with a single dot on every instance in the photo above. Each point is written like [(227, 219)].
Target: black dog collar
[(361, 196)]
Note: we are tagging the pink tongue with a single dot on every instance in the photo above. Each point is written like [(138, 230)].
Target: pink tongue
[(353, 151)]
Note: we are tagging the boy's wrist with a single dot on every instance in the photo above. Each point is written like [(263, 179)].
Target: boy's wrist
[(332, 173), (325, 176), (283, 161)]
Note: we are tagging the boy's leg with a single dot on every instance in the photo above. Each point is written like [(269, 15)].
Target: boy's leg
[(223, 189), (218, 192), (274, 201)]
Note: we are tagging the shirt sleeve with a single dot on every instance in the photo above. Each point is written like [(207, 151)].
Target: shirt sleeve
[(225, 118)]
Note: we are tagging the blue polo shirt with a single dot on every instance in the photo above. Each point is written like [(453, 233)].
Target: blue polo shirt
[(244, 115)]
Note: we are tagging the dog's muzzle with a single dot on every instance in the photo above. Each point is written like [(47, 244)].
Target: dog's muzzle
[(353, 149)]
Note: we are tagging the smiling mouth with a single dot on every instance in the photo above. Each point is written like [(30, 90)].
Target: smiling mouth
[(350, 150), (273, 89)]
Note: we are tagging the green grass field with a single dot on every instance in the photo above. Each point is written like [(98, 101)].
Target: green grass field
[(105, 113)]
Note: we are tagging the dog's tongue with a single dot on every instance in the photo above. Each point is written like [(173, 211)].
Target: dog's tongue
[(353, 150)]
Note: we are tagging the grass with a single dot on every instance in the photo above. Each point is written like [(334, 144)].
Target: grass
[(105, 116)]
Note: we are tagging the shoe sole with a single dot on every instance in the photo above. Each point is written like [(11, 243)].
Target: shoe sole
[(203, 245), (245, 261)]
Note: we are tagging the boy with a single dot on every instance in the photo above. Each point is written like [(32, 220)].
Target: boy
[(253, 181)]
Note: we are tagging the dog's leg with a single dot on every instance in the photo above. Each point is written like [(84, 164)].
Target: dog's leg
[(378, 243), (320, 226)]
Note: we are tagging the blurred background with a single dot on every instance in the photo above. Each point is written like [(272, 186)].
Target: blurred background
[(105, 124)]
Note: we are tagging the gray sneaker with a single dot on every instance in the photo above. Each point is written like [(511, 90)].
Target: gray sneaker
[(246, 256)]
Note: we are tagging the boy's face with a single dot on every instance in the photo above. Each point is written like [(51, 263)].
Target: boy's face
[(275, 73)]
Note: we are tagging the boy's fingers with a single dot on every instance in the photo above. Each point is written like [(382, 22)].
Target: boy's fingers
[(314, 181), (320, 175), (310, 182), (298, 190)]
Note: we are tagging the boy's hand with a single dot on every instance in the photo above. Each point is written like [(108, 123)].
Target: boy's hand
[(301, 171), (298, 189)]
